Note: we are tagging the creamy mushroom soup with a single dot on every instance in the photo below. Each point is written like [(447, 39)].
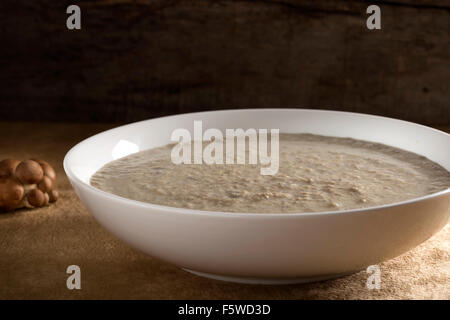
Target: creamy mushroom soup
[(316, 173)]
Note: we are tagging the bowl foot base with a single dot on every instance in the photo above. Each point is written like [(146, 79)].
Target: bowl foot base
[(267, 281)]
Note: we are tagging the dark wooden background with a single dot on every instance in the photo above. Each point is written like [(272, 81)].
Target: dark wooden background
[(134, 60)]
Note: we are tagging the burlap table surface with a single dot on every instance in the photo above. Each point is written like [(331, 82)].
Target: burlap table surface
[(36, 247)]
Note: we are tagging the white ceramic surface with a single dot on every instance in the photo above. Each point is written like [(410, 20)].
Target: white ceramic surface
[(265, 248)]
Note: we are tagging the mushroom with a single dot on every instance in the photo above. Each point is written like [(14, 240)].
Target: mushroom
[(46, 184), (46, 199), (47, 168), (36, 198), (11, 193), (7, 167), (29, 183), (29, 172), (54, 195)]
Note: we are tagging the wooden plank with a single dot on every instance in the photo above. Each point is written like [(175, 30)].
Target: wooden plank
[(138, 59)]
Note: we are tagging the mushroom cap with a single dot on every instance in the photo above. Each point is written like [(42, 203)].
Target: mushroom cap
[(46, 199), (46, 184), (54, 195), (48, 171), (40, 161), (36, 198), (29, 172), (11, 193), (7, 167), (47, 168)]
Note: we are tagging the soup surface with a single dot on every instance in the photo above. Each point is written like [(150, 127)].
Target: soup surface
[(316, 173)]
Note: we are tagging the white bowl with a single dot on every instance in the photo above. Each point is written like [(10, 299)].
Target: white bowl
[(265, 248)]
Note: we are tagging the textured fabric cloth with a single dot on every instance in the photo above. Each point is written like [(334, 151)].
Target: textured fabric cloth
[(36, 247)]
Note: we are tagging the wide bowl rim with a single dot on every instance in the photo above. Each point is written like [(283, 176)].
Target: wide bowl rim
[(253, 215)]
